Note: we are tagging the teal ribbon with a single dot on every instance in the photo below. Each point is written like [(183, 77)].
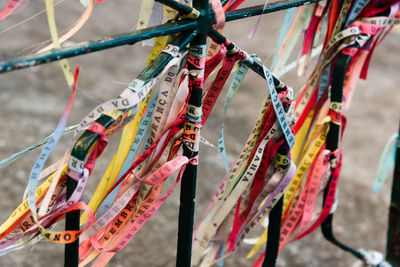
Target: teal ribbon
[(287, 22), (386, 162), (233, 89)]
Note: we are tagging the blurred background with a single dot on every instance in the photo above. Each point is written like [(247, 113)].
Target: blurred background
[(32, 101)]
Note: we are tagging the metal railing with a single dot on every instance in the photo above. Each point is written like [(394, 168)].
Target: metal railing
[(193, 32)]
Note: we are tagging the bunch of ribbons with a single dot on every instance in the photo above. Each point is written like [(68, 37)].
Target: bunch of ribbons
[(155, 130), (158, 125), (258, 177), (352, 31), (131, 189)]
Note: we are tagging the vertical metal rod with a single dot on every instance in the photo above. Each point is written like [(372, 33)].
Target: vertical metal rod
[(83, 145), (188, 183), (332, 143), (274, 231), (80, 150), (393, 234), (71, 251)]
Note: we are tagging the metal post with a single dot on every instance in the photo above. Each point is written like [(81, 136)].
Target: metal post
[(188, 183), (332, 143), (274, 232), (80, 150)]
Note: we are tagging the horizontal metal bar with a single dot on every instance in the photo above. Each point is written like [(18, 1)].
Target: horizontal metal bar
[(181, 8), (219, 38), (224, 2), (259, 10), (87, 47), (98, 45)]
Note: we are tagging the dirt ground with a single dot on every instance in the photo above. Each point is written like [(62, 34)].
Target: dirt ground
[(32, 101)]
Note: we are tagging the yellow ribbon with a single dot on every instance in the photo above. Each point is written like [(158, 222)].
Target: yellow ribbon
[(54, 37)]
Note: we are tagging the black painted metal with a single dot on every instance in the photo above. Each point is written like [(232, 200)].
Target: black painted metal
[(274, 232), (99, 45), (80, 150), (181, 8), (260, 10), (332, 143), (188, 182), (224, 2), (219, 38), (130, 38)]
